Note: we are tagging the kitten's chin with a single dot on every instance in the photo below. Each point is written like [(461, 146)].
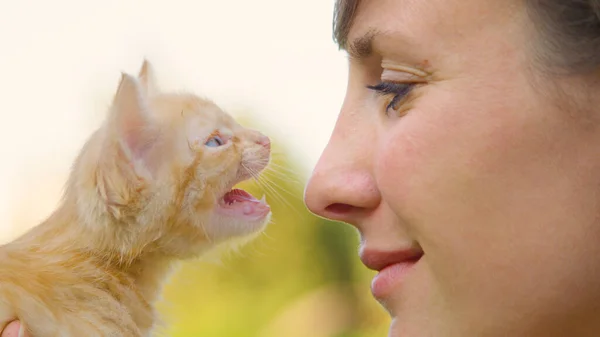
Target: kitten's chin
[(241, 205), (237, 215)]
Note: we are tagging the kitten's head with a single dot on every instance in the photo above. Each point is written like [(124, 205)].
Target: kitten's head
[(159, 173)]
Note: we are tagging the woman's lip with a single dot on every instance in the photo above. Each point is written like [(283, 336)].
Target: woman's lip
[(391, 277), (379, 259)]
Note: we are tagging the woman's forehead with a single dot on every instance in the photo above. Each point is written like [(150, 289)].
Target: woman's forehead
[(422, 18)]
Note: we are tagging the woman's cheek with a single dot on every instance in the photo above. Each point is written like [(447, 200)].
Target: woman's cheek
[(418, 162)]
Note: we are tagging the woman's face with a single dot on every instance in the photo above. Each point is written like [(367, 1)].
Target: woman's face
[(470, 157)]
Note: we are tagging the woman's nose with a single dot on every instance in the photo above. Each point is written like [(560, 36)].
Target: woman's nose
[(342, 187), (341, 194)]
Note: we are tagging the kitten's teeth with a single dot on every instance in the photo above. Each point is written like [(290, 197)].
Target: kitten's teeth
[(263, 199)]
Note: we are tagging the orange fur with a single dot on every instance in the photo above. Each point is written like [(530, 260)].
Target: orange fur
[(142, 195)]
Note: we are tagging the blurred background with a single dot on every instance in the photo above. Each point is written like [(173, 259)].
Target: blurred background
[(270, 63)]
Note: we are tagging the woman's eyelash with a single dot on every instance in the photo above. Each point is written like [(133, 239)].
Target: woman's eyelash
[(399, 90), (385, 88)]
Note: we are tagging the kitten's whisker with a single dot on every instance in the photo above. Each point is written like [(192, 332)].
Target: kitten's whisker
[(280, 170), (274, 193), (252, 173), (266, 184), (275, 163), (276, 168), (281, 188), (276, 152), (282, 176)]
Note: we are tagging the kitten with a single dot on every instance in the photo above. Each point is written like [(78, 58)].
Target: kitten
[(153, 185)]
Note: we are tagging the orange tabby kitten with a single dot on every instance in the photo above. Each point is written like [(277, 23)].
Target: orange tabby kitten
[(152, 185)]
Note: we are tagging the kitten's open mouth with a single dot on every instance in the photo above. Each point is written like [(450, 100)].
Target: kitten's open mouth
[(240, 203)]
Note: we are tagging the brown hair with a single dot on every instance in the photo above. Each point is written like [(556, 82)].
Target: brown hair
[(569, 31), (343, 15)]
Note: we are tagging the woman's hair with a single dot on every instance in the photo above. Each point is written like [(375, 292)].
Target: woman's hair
[(568, 31)]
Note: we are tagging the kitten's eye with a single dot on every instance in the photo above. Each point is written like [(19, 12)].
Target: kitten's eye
[(214, 141), (398, 90)]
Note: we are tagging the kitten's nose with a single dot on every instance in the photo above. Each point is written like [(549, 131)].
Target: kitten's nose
[(264, 141)]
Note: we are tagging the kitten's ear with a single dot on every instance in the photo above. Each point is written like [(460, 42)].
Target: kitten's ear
[(131, 122), (146, 78)]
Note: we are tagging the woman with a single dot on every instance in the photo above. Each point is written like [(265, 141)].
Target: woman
[(467, 155)]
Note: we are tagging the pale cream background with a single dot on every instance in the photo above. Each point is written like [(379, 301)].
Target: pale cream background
[(60, 62)]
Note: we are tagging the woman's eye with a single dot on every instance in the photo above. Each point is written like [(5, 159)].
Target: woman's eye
[(397, 91), (214, 141)]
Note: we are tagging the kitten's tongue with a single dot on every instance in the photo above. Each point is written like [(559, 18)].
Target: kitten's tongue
[(241, 203), (237, 195)]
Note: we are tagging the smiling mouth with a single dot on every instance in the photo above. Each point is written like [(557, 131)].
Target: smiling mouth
[(392, 266), (241, 204), (391, 278)]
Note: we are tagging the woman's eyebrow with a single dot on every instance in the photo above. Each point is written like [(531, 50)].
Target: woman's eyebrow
[(362, 47)]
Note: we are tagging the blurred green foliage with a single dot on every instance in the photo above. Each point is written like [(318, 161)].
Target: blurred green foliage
[(301, 278)]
